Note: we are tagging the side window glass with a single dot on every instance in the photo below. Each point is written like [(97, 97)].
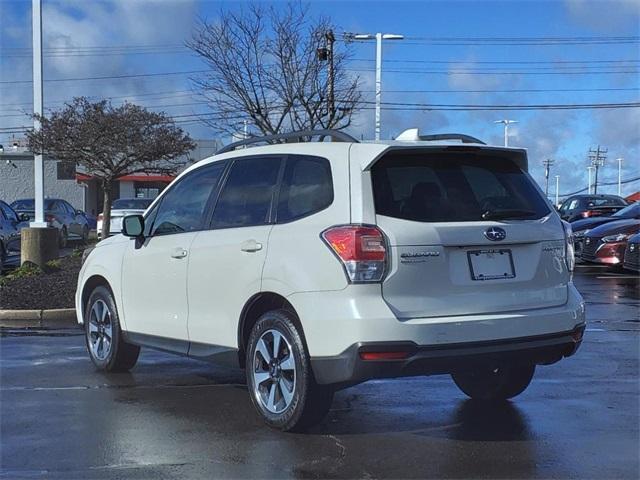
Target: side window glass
[(183, 207), (7, 212), (247, 195), (306, 188)]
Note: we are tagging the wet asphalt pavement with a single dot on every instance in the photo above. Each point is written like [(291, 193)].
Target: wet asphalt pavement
[(178, 418)]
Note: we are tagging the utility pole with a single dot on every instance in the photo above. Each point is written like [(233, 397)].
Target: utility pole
[(506, 123), (557, 190), (620, 160), (378, 38), (597, 157), (589, 169), (547, 166), (331, 107)]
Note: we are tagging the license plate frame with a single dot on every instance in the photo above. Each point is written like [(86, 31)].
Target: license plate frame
[(504, 271)]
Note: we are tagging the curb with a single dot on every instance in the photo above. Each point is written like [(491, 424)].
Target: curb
[(58, 318)]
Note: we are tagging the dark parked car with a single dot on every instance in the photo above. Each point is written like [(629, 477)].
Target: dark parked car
[(10, 225), (607, 243), (586, 206), (632, 253), (60, 214), (581, 227)]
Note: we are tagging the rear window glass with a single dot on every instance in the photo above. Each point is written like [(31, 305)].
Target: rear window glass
[(454, 188), (131, 204), (306, 188), (604, 202)]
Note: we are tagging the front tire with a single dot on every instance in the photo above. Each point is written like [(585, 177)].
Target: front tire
[(107, 348), (494, 384), (279, 375)]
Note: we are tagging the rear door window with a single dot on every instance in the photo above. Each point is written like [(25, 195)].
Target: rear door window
[(306, 188), (454, 188), (248, 193)]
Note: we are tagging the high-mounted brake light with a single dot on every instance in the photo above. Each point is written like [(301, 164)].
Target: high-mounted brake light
[(361, 249)]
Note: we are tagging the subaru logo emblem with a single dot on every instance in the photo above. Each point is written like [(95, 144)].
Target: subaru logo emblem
[(495, 234)]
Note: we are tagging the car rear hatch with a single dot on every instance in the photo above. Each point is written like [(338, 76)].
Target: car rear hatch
[(468, 231)]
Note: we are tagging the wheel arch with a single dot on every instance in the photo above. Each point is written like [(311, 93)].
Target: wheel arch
[(256, 306), (89, 285)]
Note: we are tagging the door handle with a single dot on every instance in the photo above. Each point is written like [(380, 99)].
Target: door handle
[(250, 246), (179, 253)]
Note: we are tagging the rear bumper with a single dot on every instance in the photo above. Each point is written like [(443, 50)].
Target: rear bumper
[(350, 368)]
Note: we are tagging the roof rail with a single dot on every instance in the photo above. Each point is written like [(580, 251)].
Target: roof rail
[(413, 135), (291, 137)]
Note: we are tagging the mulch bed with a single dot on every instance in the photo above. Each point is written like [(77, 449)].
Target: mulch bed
[(55, 289)]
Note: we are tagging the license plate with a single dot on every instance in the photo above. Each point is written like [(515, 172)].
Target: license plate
[(491, 264)]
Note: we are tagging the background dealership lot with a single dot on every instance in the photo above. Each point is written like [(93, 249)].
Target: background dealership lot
[(176, 418)]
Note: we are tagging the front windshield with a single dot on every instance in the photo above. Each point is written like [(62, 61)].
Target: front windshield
[(632, 210), (131, 204), (29, 204)]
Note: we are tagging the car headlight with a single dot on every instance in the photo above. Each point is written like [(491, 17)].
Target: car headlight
[(580, 234), (619, 237), (569, 249)]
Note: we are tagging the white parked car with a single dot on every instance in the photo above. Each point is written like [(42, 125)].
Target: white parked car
[(319, 265), (120, 209)]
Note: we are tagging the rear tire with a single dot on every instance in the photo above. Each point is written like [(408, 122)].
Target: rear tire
[(282, 387), (106, 346), (64, 238), (497, 384)]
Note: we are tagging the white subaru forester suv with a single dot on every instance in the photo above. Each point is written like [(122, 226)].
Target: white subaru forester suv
[(319, 265)]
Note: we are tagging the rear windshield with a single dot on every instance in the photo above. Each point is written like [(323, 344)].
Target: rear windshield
[(603, 202), (131, 204), (454, 188)]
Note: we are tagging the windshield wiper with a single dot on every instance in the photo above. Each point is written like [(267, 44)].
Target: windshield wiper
[(507, 213)]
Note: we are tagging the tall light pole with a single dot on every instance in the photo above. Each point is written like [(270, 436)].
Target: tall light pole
[(378, 38), (557, 189), (36, 14), (597, 158), (620, 160), (589, 169), (506, 123)]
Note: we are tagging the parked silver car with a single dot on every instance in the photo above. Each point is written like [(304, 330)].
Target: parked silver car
[(60, 214)]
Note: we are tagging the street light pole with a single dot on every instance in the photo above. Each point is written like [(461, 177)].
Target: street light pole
[(506, 123), (378, 38), (620, 160), (37, 110), (557, 189)]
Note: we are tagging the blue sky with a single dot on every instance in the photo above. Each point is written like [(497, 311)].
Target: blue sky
[(564, 135)]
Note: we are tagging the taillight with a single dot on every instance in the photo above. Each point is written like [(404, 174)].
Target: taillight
[(586, 214), (361, 249), (49, 218)]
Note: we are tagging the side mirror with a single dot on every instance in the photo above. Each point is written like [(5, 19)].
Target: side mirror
[(23, 217), (133, 226), (79, 212)]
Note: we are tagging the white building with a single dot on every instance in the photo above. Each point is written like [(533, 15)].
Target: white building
[(73, 185)]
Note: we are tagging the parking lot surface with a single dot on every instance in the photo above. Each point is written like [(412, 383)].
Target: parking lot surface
[(179, 418)]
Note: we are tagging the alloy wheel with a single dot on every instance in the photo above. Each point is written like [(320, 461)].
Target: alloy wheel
[(100, 330), (274, 371)]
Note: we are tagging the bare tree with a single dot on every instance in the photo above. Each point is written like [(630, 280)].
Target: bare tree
[(111, 142), (264, 69)]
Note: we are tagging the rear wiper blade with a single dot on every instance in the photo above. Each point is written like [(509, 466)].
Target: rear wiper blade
[(506, 213)]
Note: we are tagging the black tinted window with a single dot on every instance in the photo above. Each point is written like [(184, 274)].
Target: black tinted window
[(183, 207), (247, 194), (306, 188), (447, 188)]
